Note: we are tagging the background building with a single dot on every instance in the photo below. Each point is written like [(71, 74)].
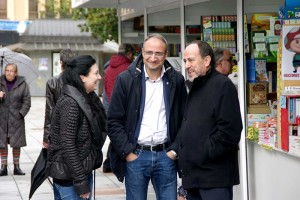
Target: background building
[(40, 29)]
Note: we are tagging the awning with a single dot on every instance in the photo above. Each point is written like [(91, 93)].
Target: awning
[(58, 46), (95, 3)]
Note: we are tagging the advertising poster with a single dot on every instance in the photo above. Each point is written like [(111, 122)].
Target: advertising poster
[(56, 64), (290, 52), (43, 64)]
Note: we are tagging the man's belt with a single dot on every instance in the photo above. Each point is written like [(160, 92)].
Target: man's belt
[(159, 147)]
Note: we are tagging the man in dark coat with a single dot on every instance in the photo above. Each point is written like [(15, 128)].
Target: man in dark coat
[(117, 64), (211, 128), (53, 92), (144, 116)]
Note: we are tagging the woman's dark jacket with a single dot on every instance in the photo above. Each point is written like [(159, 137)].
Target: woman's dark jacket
[(210, 133), (53, 92), (124, 113), (76, 139), (13, 108)]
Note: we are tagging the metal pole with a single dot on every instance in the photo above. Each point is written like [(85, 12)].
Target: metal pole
[(242, 96), (182, 36)]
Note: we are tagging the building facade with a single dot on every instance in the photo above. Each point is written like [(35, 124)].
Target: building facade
[(26, 27)]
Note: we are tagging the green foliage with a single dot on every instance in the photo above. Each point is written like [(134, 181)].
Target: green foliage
[(65, 9), (102, 22), (57, 9)]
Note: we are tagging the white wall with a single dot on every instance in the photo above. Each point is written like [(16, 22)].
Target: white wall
[(273, 175), (165, 18)]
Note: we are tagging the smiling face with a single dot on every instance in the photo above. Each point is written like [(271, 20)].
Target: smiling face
[(10, 72), (295, 45), (90, 81), (154, 54), (195, 65)]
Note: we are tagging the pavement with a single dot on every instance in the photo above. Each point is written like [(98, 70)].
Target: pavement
[(17, 187)]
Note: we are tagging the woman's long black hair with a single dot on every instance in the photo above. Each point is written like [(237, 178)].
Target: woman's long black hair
[(79, 65)]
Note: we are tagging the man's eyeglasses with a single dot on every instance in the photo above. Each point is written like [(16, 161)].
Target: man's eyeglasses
[(156, 54)]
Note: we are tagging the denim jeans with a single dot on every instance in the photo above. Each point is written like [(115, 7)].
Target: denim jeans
[(62, 192), (154, 166)]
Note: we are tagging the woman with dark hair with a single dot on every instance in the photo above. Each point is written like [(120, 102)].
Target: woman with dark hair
[(78, 131), (15, 102)]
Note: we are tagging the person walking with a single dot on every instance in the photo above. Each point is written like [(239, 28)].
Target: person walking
[(211, 129), (117, 64), (15, 103), (78, 131), (53, 92), (144, 116)]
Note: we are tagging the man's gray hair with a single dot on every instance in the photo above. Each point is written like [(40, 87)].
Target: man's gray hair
[(158, 36), (219, 54), (66, 55)]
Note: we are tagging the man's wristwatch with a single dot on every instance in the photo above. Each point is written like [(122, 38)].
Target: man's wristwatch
[(174, 153)]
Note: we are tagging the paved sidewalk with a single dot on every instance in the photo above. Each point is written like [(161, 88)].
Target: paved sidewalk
[(17, 187)]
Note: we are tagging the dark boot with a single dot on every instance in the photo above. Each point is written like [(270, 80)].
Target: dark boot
[(17, 170), (3, 170)]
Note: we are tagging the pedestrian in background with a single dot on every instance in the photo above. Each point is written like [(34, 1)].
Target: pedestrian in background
[(211, 129), (144, 116), (78, 131), (223, 60), (53, 92), (15, 102), (117, 64)]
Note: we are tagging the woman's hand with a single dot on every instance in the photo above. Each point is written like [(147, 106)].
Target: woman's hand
[(45, 145), (2, 94), (86, 195)]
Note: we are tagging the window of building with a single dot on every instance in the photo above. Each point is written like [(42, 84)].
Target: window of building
[(3, 9), (33, 9)]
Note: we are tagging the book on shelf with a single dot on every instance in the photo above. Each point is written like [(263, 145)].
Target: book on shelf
[(294, 144), (193, 29), (290, 120), (206, 22), (291, 111), (297, 115), (257, 93), (294, 110), (261, 70), (174, 50), (272, 85), (207, 35)]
